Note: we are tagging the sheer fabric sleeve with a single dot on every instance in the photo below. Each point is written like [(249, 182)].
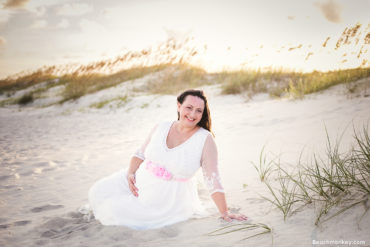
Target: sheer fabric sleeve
[(209, 163), (140, 152)]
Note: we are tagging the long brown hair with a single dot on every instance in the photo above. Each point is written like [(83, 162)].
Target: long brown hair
[(205, 121)]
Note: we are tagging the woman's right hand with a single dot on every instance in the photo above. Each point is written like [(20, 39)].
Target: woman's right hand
[(131, 184)]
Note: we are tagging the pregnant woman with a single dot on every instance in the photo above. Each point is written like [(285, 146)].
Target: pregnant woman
[(157, 188)]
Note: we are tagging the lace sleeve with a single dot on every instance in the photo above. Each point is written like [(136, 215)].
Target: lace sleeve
[(140, 152), (209, 163)]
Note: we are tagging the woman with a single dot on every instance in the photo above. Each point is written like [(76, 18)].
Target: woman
[(157, 190)]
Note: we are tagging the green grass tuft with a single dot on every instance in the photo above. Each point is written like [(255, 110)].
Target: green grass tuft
[(341, 181), (26, 99), (120, 101)]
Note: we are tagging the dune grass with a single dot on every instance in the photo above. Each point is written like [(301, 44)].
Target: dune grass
[(81, 79), (26, 99), (168, 78), (339, 183), (265, 167), (279, 83), (176, 78), (80, 85), (172, 79), (254, 230), (120, 101), (76, 85), (22, 82)]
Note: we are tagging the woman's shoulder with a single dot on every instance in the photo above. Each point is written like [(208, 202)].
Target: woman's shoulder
[(205, 131)]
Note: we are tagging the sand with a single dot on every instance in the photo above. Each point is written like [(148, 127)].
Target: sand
[(51, 156)]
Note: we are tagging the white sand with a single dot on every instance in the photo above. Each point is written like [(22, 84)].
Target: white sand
[(51, 156)]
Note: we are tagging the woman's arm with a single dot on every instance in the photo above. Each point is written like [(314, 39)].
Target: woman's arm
[(212, 179), (135, 163), (220, 201)]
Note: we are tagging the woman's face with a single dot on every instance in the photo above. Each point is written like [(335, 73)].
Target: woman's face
[(191, 110)]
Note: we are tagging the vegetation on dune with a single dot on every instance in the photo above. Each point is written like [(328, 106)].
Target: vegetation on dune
[(25, 99), (173, 78), (277, 83), (173, 59), (25, 81), (77, 85), (334, 185), (120, 101), (318, 81), (79, 80), (176, 78)]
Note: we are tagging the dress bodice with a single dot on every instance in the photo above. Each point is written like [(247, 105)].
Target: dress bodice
[(183, 160)]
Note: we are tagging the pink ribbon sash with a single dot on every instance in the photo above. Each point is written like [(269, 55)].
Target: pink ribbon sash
[(162, 173)]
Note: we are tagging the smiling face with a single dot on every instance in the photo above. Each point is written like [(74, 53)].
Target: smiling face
[(190, 111)]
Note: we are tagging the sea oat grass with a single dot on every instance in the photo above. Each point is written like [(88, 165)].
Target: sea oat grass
[(280, 83), (22, 82), (176, 78), (241, 81), (284, 197), (337, 183), (265, 167), (318, 81), (80, 85)]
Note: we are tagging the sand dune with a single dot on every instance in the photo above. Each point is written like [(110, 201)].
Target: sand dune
[(51, 156)]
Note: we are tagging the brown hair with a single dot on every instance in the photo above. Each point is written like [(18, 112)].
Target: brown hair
[(205, 121)]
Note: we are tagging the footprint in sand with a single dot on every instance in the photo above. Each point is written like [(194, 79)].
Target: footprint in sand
[(49, 234), (45, 208), (4, 177), (21, 223), (6, 187), (41, 164), (26, 173), (169, 232), (60, 226), (17, 223), (4, 226)]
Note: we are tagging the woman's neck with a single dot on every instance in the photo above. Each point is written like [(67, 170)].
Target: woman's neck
[(183, 129)]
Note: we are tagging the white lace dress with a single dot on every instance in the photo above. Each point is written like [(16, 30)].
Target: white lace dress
[(167, 192)]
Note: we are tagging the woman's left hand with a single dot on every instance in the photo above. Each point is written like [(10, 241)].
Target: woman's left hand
[(230, 216)]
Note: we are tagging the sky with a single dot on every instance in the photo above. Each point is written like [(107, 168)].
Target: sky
[(254, 34)]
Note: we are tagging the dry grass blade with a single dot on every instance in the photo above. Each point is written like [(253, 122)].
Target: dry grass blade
[(240, 227)]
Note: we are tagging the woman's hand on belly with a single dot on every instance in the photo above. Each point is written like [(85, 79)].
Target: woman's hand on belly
[(131, 184)]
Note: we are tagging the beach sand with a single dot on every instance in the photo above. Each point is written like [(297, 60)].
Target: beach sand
[(51, 156)]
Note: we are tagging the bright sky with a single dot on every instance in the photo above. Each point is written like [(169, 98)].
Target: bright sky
[(249, 33)]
